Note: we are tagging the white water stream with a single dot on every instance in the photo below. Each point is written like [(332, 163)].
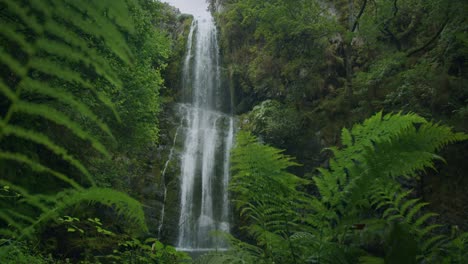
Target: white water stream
[(208, 132)]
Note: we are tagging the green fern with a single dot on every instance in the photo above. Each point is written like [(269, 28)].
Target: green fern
[(398, 207), (360, 198), (238, 252), (371, 260), (46, 48), (266, 195), (383, 147), (33, 33), (253, 163), (260, 176), (457, 248), (362, 174), (215, 258), (51, 207), (317, 246), (121, 203)]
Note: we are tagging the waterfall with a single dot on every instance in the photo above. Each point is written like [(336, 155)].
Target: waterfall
[(209, 133)]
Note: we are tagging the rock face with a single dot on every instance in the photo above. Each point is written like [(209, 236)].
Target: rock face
[(217, 5), (158, 186), (166, 174)]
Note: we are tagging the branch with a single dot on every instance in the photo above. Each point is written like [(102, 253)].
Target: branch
[(429, 42), (410, 28), (386, 30), (395, 8), (392, 36), (356, 22)]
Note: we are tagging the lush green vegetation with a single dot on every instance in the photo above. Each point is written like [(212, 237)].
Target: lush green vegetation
[(338, 62), (79, 104), (86, 88), (314, 67), (359, 209)]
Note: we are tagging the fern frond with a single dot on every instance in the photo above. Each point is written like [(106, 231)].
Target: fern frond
[(26, 197), (20, 216), (422, 219), (392, 211), (65, 97), (67, 53), (437, 136), (120, 202), (457, 249), (371, 260), (22, 13), (43, 140), (266, 193), (60, 119), (428, 229), (215, 258), (53, 68), (382, 147), (400, 197), (8, 219), (37, 167), (18, 39), (399, 208), (57, 48), (433, 242), (78, 49), (7, 233), (303, 237), (361, 174), (7, 92), (410, 214), (238, 252), (407, 204), (239, 247), (94, 25), (346, 138), (380, 128), (14, 65)]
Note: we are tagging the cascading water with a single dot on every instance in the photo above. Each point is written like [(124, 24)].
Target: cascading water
[(204, 203)]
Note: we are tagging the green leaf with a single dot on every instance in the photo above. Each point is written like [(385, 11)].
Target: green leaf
[(159, 245), (346, 137), (41, 139)]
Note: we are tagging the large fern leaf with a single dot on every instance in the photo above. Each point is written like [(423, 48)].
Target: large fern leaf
[(382, 147), (53, 52), (266, 194), (362, 174)]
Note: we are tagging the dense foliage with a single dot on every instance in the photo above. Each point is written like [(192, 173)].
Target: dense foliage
[(79, 103), (337, 62), (82, 87), (314, 67), (361, 212)]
